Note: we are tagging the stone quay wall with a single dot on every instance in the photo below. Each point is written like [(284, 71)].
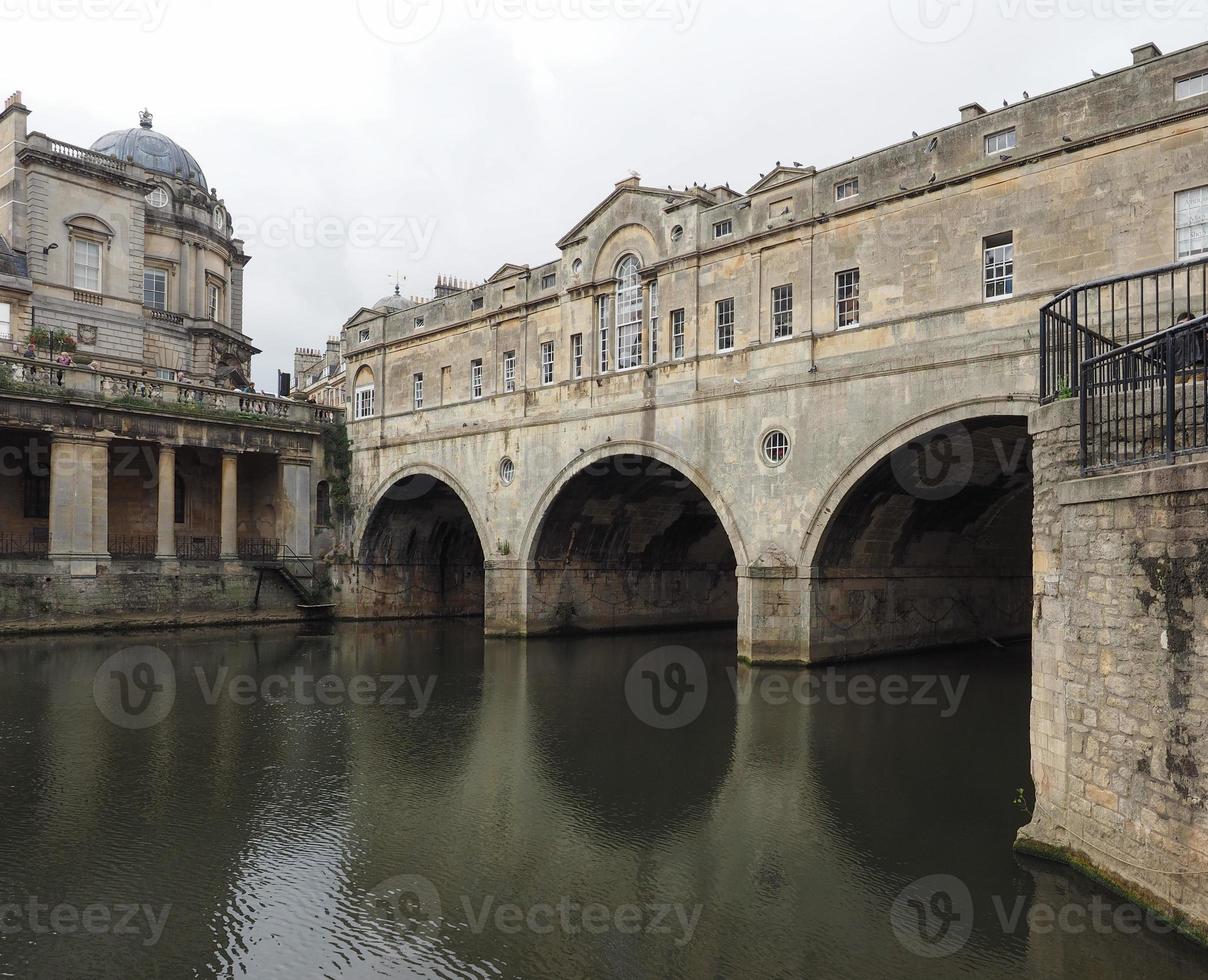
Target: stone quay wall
[(1120, 673)]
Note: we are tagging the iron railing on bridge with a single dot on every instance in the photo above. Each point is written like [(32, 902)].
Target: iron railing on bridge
[(1095, 319)]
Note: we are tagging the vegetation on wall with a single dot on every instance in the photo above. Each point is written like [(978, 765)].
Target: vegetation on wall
[(337, 451)]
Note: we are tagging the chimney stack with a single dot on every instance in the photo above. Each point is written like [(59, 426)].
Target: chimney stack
[(972, 111), (1146, 52)]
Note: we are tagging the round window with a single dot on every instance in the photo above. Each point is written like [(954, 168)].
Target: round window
[(578, 266), (677, 233), (507, 471), (775, 447), (158, 198)]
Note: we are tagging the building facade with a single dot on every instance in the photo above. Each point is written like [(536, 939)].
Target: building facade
[(141, 477), (718, 404)]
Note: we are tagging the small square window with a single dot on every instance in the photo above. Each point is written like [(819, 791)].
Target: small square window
[(723, 228), (549, 281), (476, 303), (1000, 142), (419, 323), (847, 188), (364, 336)]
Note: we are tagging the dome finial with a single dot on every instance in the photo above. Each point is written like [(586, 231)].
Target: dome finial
[(145, 119)]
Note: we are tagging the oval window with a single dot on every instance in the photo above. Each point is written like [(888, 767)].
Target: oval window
[(507, 471), (677, 233)]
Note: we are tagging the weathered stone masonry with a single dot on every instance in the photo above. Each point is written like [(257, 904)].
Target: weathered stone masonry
[(1120, 672)]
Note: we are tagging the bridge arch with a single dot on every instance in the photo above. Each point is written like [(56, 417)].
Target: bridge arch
[(925, 539), (630, 535), (422, 550)]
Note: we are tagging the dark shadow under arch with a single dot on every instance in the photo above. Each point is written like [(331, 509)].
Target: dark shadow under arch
[(630, 543), (931, 547)]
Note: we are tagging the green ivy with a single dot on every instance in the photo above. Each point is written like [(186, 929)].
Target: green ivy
[(337, 451)]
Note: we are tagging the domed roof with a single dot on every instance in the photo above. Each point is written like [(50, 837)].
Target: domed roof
[(395, 302), (152, 151)]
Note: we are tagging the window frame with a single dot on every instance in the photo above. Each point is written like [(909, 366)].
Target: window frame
[(1011, 132), (153, 271), (576, 356), (6, 320), (509, 371), (602, 333), (214, 301), (1189, 80), (782, 313), (630, 311), (81, 243), (1190, 227), (725, 308), (994, 243), (847, 299), (476, 379), (840, 196), (653, 305), (723, 228), (548, 351), (417, 391), (549, 280), (679, 331), (364, 402)]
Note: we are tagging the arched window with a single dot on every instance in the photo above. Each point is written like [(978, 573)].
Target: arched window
[(629, 313), (363, 395), (323, 504)]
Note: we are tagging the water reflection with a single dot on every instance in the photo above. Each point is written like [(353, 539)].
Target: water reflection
[(513, 773)]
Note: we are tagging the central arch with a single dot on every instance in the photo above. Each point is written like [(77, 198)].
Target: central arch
[(629, 536)]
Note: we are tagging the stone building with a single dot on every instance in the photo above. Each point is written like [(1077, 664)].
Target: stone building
[(140, 474), (726, 405)]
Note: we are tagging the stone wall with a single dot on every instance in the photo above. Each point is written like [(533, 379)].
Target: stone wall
[(1120, 685)]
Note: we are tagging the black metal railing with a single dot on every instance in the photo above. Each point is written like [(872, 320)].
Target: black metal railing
[(259, 549), (193, 548), (1089, 321), (28, 544), (132, 546), (1146, 400)]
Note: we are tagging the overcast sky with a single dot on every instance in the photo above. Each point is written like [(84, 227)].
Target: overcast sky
[(355, 138)]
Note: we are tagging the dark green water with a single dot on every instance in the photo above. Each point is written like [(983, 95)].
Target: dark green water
[(527, 822)]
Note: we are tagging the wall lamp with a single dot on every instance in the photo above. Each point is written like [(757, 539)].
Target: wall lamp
[(50, 248)]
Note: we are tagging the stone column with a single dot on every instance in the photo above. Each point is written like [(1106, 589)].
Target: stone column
[(165, 543), (773, 615), (229, 548), (297, 510), (79, 505), (506, 597)]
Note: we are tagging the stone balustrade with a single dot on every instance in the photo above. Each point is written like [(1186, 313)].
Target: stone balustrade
[(103, 385)]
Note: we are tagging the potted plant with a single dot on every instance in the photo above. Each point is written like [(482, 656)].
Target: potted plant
[(40, 337)]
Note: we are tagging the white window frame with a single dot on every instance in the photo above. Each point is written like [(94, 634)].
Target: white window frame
[(476, 379), (83, 271), (549, 280), (602, 321), (724, 319), (723, 228), (547, 362), (654, 321), (165, 374), (847, 299), (152, 272), (363, 401), (1002, 141), (1191, 223), (629, 313), (679, 320), (1191, 86), (576, 356), (6, 321), (782, 312), (846, 189), (417, 390), (214, 301), (158, 197), (998, 267), (509, 371)]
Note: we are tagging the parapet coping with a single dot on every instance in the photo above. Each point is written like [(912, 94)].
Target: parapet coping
[(1154, 481)]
